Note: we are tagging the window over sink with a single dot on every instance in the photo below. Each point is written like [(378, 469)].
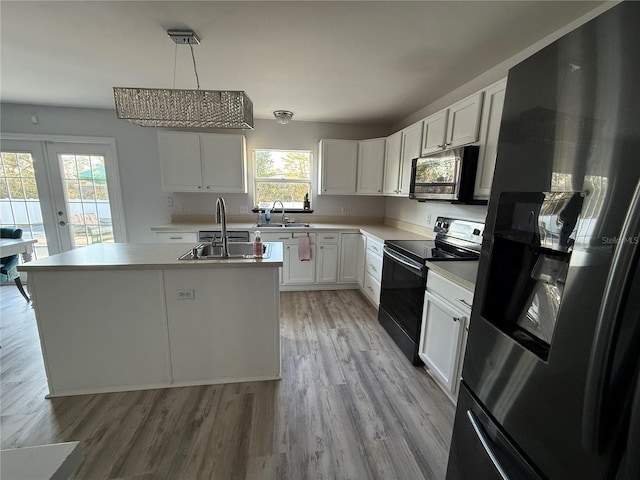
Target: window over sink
[(282, 175)]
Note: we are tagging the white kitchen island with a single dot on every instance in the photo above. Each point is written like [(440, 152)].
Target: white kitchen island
[(116, 317)]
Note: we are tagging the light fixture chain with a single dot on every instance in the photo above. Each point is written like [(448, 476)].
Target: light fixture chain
[(195, 70)]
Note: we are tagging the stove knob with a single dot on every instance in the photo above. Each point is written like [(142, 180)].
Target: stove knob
[(476, 231)]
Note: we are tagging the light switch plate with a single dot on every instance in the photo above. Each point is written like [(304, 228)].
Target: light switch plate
[(244, 209), (186, 294)]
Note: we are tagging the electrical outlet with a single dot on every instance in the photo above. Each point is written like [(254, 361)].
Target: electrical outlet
[(182, 208), (343, 210), (244, 209), (428, 219), (188, 294), (169, 201)]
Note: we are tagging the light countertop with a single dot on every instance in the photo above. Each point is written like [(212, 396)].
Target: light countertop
[(378, 231), (463, 273), (145, 256)]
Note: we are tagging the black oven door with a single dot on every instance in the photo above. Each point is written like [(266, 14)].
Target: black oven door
[(402, 291)]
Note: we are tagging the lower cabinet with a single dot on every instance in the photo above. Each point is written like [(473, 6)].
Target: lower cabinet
[(352, 258), (445, 319), (327, 263), (372, 271), (296, 271)]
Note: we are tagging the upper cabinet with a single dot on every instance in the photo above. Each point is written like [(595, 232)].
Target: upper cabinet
[(338, 166), (454, 126), (370, 166), (402, 148), (202, 162), (491, 117)]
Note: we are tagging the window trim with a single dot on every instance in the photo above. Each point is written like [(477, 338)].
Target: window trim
[(257, 180)]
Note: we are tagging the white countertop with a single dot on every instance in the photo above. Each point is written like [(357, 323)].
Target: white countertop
[(379, 231), (148, 256), (463, 273)]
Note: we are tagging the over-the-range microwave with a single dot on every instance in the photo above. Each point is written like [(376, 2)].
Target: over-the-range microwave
[(449, 175)]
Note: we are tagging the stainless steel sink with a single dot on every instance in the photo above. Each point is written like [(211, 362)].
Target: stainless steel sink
[(237, 250), (282, 225)]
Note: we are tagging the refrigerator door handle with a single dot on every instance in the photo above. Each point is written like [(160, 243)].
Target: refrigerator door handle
[(632, 462), (602, 350), (486, 444)]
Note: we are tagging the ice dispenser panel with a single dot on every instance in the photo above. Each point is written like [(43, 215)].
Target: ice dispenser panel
[(530, 254)]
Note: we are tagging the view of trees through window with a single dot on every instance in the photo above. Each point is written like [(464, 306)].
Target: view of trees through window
[(282, 175)]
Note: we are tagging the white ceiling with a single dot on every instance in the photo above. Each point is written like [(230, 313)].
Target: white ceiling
[(345, 62)]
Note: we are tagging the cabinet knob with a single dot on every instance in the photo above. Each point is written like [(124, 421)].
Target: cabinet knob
[(449, 143), (321, 247), (456, 319), (288, 248), (324, 190), (379, 191), (199, 187), (440, 146), (208, 187)]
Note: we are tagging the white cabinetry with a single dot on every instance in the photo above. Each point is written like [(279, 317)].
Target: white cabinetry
[(373, 271), (454, 126), (177, 237), (397, 176), (491, 117), (338, 166), (327, 260), (445, 317), (370, 166), (352, 258), (393, 151), (196, 162), (296, 271)]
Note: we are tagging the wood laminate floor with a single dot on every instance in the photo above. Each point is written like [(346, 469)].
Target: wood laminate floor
[(349, 406)]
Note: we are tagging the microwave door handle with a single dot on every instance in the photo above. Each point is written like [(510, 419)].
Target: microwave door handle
[(405, 262), (601, 358)]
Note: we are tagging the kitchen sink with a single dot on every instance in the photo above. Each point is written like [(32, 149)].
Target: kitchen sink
[(237, 250), (283, 225)]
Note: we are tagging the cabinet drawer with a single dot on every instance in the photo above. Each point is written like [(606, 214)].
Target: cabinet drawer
[(276, 237), (373, 265), (454, 293), (328, 237), (372, 289), (375, 247), (177, 237)]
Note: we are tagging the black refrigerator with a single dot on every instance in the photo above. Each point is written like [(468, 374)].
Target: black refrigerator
[(550, 379)]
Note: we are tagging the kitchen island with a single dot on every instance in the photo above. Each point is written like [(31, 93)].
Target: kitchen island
[(116, 317)]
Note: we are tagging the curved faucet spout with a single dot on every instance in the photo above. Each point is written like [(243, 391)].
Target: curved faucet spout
[(221, 217), (282, 205)]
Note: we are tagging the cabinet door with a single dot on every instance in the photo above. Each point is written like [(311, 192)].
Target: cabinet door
[(491, 117), (350, 258), (338, 166), (296, 271), (370, 166), (393, 150), (411, 148), (464, 121), (441, 340), (327, 263), (434, 132), (180, 161), (224, 163)]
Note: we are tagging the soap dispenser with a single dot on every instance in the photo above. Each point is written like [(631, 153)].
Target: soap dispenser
[(257, 245)]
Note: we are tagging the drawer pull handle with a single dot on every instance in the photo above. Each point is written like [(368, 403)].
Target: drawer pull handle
[(175, 238), (464, 302), (373, 268), (370, 289)]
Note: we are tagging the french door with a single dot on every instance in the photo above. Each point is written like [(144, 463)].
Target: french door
[(65, 194)]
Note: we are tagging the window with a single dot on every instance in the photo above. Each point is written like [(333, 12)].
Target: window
[(282, 175)]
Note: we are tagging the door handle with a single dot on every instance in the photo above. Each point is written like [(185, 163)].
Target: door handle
[(625, 257), (486, 444)]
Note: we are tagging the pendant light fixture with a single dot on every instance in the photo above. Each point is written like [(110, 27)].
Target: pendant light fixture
[(159, 107)]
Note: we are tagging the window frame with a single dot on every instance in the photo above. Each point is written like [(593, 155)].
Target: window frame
[(257, 180)]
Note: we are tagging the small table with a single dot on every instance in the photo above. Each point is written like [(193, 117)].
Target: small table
[(10, 246)]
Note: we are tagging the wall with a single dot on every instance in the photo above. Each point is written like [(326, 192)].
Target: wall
[(411, 211), (137, 149)]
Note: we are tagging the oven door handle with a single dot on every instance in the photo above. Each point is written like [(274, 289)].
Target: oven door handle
[(404, 261)]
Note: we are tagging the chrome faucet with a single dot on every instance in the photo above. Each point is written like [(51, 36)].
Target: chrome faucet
[(284, 219), (221, 217)]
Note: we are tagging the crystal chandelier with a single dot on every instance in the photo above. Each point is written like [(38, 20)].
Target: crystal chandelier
[(160, 107)]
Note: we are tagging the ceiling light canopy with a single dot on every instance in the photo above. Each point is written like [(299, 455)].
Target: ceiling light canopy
[(283, 116), (160, 107)]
